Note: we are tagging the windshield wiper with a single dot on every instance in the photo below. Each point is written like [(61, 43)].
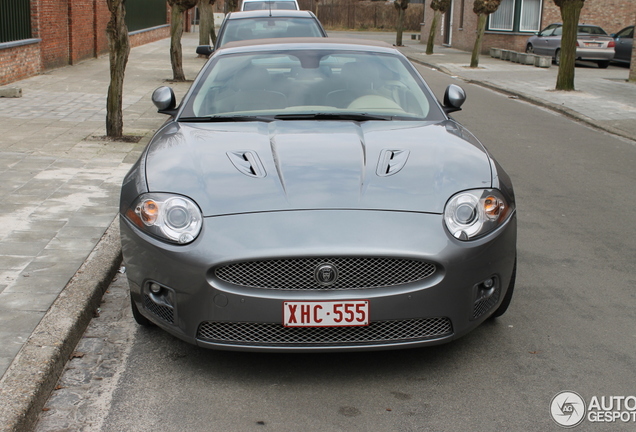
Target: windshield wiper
[(332, 116), (236, 118)]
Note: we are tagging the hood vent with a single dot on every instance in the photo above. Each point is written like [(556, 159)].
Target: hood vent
[(248, 163), (391, 162)]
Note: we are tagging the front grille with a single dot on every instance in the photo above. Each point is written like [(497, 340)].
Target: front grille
[(164, 312), (299, 273), (267, 334), (483, 306)]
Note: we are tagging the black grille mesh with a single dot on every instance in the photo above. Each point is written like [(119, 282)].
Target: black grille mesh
[(298, 273), (483, 306), (278, 335), (161, 311)]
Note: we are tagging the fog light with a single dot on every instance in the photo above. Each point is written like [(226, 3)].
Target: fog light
[(155, 288), (489, 283)]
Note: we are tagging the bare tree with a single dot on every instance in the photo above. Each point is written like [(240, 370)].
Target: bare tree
[(231, 5), (206, 22), (401, 6), (440, 7), (119, 48), (178, 8), (570, 13), (482, 8)]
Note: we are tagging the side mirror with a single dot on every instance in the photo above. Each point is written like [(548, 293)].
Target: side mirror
[(205, 50), (454, 98), (164, 100)]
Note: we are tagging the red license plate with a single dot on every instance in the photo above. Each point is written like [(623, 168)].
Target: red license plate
[(343, 313)]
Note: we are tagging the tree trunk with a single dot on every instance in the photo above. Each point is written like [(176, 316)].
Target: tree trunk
[(400, 27), (206, 23), (570, 13), (119, 48), (176, 53), (481, 28), (431, 35)]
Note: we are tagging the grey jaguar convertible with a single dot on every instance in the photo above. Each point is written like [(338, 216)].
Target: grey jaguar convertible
[(312, 194)]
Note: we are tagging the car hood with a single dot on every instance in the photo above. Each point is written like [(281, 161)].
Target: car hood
[(230, 168)]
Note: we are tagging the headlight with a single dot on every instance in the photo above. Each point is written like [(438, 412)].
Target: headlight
[(474, 213), (170, 217)]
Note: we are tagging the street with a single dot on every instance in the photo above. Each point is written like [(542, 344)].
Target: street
[(571, 324)]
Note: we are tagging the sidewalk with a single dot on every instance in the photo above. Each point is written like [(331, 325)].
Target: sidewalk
[(59, 188), (60, 182)]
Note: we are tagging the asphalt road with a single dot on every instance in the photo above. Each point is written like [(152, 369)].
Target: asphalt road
[(571, 325)]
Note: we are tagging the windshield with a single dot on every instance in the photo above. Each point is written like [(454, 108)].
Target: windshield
[(268, 27), (292, 83), (592, 30), (259, 5)]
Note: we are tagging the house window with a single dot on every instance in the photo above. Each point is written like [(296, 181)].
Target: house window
[(517, 16)]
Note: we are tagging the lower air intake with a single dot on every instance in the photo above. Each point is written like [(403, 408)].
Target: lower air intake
[(267, 334), (161, 311)]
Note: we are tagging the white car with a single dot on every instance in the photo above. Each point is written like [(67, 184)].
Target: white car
[(248, 5)]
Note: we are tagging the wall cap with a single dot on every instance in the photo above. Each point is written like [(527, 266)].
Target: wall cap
[(13, 44), (148, 29)]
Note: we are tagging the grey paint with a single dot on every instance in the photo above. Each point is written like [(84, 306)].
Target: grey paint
[(314, 165), (316, 189)]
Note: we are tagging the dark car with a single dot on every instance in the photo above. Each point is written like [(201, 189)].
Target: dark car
[(312, 194), (592, 44), (265, 24), (624, 40)]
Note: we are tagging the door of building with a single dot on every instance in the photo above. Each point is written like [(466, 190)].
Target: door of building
[(448, 22)]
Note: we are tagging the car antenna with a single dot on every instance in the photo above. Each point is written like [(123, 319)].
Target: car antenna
[(269, 3)]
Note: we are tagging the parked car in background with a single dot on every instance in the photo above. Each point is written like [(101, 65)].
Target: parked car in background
[(593, 44), (265, 24), (312, 194), (248, 5), (624, 40)]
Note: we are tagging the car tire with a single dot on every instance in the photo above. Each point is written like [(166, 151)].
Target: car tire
[(603, 64), (139, 318), (557, 57), (529, 49), (503, 307)]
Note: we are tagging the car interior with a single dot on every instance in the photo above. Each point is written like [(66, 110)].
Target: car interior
[(356, 85)]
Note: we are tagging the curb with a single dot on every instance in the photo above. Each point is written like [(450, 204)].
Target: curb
[(533, 100), (27, 384)]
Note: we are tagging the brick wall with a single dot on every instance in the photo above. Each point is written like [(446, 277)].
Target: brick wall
[(81, 25), (53, 30), (612, 15), (70, 31), (19, 62), (102, 15), (144, 37)]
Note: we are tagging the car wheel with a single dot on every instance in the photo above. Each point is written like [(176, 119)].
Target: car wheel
[(557, 57), (529, 49), (603, 64), (139, 318), (503, 307)]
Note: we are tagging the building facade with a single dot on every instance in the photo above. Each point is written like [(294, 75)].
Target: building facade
[(516, 20), (36, 35)]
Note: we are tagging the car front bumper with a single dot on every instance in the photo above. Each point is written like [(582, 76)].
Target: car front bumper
[(197, 306)]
